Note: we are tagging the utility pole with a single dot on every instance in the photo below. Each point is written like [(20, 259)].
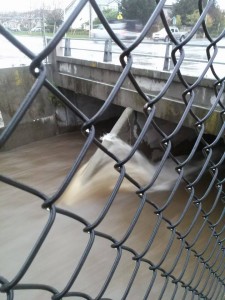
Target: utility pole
[(68, 7), (90, 20)]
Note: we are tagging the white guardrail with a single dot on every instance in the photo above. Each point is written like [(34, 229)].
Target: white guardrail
[(108, 49)]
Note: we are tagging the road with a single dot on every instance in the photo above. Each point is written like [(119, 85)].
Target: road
[(10, 56), (148, 54)]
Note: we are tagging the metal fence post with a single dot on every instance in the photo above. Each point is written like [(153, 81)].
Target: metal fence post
[(58, 51), (108, 51), (67, 50), (167, 60)]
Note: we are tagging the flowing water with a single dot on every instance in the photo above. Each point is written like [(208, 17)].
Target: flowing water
[(43, 165)]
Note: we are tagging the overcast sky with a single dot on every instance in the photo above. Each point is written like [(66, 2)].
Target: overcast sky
[(25, 5)]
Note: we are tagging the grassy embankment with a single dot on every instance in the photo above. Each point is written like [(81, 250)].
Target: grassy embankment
[(79, 34)]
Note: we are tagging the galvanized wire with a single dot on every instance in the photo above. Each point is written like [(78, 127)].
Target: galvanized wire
[(207, 279)]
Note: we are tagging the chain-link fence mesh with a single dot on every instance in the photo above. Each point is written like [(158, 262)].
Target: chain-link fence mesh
[(175, 256)]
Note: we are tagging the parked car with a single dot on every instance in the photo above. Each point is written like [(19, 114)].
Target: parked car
[(122, 31), (163, 35), (17, 29), (36, 29)]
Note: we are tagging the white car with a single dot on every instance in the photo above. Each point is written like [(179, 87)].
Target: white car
[(163, 35), (119, 29), (36, 29), (15, 29)]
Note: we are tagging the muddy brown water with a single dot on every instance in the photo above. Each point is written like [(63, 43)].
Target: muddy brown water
[(43, 165)]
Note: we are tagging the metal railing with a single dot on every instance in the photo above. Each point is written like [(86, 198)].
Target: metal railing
[(108, 51)]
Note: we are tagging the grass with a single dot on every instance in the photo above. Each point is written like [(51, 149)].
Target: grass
[(74, 35)]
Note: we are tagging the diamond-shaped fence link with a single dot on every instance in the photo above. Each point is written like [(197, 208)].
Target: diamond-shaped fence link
[(176, 256)]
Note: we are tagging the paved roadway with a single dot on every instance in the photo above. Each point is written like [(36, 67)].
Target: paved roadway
[(10, 56), (151, 55), (147, 55)]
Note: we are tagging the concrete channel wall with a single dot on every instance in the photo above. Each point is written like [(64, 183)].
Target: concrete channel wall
[(39, 121), (47, 116)]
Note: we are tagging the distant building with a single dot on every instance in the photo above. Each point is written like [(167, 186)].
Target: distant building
[(88, 11), (104, 4), (168, 11), (13, 25)]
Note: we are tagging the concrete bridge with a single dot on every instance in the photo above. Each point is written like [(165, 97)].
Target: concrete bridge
[(87, 84), (95, 79)]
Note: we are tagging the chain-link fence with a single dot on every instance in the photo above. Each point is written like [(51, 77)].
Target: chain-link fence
[(175, 255)]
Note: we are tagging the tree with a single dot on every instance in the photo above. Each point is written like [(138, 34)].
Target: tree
[(178, 21), (217, 19), (189, 14), (193, 18), (54, 18), (132, 9), (109, 14), (184, 8)]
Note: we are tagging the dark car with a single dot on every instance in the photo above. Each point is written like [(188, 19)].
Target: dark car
[(124, 30)]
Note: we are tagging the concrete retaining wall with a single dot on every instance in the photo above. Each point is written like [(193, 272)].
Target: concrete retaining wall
[(47, 116), (39, 120)]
